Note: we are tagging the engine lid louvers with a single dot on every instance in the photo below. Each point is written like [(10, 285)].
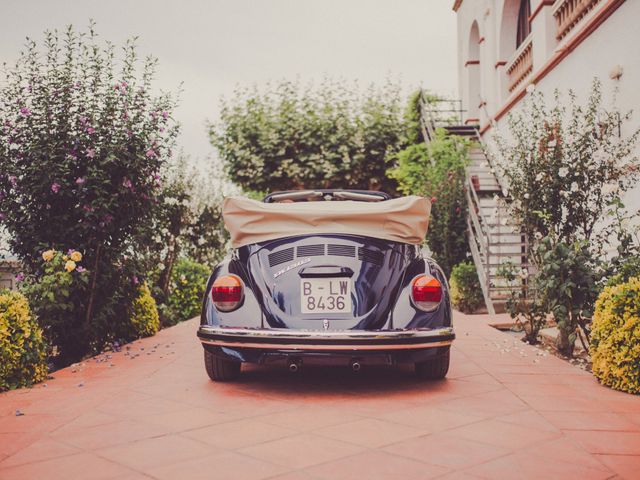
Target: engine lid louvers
[(310, 250), (281, 256)]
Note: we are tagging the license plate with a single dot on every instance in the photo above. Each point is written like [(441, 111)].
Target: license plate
[(325, 295)]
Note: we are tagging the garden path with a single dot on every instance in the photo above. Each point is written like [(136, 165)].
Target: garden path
[(505, 411)]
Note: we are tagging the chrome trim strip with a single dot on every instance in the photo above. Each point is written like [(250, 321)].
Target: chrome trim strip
[(328, 346), (270, 338)]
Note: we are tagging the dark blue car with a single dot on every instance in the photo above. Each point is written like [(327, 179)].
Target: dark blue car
[(335, 277)]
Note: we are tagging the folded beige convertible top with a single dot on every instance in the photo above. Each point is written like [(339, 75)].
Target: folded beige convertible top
[(402, 219)]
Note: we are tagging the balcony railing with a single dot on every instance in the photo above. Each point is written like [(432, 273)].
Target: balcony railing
[(569, 12), (521, 64)]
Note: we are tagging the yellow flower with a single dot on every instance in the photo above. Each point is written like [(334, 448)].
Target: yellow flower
[(70, 266), (48, 255), (76, 256)]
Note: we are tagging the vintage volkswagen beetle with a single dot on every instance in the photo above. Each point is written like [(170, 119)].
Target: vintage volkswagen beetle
[(326, 276)]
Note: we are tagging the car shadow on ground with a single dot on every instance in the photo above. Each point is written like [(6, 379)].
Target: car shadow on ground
[(331, 381)]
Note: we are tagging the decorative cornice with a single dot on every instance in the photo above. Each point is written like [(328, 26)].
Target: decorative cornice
[(456, 5), (499, 63), (471, 62), (541, 5), (481, 40)]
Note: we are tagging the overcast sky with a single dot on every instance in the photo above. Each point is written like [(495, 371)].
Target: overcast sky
[(213, 45)]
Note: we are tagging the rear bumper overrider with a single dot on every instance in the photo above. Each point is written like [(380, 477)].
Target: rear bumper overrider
[(351, 340)]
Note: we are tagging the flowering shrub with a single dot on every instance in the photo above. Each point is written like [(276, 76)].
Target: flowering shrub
[(144, 314), (82, 142), (466, 292), (566, 169), (615, 339), (22, 348), (54, 294), (188, 283)]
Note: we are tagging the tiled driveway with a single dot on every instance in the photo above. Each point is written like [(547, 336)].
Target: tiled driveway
[(503, 412)]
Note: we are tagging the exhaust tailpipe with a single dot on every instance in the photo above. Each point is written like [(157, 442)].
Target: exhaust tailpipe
[(355, 366), (293, 366)]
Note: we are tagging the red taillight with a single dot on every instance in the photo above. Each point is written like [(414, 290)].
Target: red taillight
[(226, 293), (426, 292)]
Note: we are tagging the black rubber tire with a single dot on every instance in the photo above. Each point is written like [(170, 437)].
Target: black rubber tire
[(435, 368), (219, 369)]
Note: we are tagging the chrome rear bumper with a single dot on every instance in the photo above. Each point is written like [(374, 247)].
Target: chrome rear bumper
[(284, 339)]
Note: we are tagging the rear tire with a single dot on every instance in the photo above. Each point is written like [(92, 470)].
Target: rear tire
[(435, 368), (219, 369)]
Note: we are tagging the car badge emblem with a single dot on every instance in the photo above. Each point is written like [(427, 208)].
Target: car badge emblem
[(325, 324), (288, 268)]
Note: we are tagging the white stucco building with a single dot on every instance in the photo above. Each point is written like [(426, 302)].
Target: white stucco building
[(506, 45)]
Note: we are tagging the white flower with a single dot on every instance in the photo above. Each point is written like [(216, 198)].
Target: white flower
[(539, 177), (574, 187), (552, 143), (161, 266), (538, 236), (563, 172), (526, 195)]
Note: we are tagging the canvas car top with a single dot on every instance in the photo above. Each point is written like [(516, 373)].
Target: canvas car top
[(403, 219)]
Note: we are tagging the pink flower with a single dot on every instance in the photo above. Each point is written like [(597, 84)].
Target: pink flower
[(25, 112), (165, 115), (127, 183), (13, 180), (134, 279), (91, 130), (20, 277), (80, 269), (55, 187), (83, 120), (91, 152), (433, 199), (151, 153), (80, 181)]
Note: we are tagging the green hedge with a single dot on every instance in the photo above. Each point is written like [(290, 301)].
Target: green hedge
[(466, 292), (23, 351), (615, 337), (145, 320)]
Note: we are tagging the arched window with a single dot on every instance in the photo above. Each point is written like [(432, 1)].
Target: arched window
[(524, 26)]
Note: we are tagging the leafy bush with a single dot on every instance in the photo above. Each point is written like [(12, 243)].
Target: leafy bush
[(329, 136), (22, 348), (188, 283), (438, 172), (466, 292), (83, 138), (615, 339), (144, 318), (567, 285)]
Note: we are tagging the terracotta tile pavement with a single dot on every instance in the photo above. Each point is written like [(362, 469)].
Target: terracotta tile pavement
[(505, 411)]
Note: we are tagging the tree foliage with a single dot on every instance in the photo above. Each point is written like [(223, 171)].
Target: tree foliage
[(437, 171), (288, 136)]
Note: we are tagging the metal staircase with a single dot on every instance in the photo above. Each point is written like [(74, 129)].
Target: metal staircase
[(494, 238)]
